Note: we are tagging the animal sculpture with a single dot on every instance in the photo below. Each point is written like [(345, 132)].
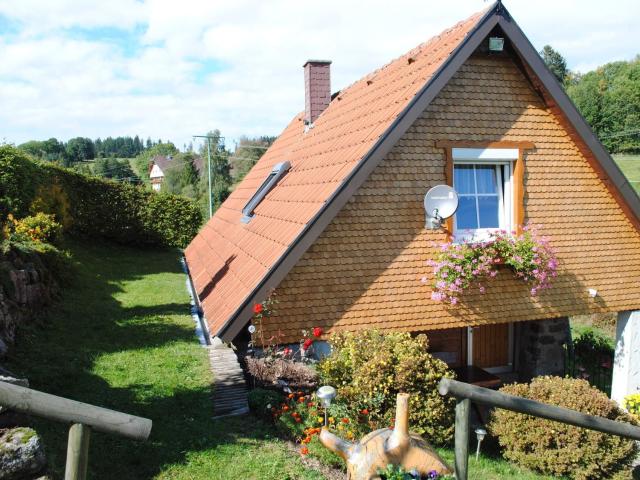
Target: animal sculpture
[(387, 446)]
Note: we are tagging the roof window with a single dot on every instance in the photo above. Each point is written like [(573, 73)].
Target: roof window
[(277, 172)]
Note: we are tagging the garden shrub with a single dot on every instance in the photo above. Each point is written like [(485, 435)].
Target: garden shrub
[(558, 449), (369, 369), (632, 404), (19, 178), (40, 227), (94, 207)]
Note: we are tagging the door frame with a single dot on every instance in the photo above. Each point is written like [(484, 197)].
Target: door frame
[(510, 367)]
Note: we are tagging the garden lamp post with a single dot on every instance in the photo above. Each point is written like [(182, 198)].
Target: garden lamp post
[(480, 434), (326, 394)]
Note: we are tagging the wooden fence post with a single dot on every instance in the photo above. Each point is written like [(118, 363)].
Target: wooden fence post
[(463, 411), (77, 452)]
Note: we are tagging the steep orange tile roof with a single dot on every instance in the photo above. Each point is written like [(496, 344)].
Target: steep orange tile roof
[(228, 259), (233, 264)]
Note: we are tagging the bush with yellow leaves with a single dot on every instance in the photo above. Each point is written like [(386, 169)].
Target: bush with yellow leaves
[(370, 368), (39, 228)]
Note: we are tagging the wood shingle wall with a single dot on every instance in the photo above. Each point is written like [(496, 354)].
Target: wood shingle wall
[(364, 271)]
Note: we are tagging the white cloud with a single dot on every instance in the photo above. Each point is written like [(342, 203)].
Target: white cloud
[(160, 79)]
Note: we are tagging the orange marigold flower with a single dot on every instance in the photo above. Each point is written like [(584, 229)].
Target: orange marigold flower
[(310, 404), (285, 408), (345, 420), (291, 395), (304, 451), (364, 411)]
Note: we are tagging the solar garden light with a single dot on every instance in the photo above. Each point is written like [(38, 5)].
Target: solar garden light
[(480, 434), (326, 395)]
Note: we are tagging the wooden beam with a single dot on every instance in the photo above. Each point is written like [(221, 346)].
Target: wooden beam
[(52, 407), (523, 145), (77, 452), (492, 398), (463, 411)]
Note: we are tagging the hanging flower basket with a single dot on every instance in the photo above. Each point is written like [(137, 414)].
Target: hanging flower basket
[(462, 266)]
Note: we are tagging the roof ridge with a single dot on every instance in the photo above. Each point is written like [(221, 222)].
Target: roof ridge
[(417, 49)]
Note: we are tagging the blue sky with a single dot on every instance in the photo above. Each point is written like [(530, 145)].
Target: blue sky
[(169, 70)]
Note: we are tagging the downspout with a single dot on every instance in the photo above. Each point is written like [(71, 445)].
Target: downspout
[(202, 330)]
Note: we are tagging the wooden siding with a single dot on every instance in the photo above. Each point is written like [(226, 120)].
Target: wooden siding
[(364, 271), (491, 345)]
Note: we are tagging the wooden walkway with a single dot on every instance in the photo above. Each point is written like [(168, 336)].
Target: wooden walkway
[(230, 389)]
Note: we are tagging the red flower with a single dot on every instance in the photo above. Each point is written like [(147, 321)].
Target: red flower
[(317, 331), (257, 308), (364, 411), (304, 451), (307, 343), (345, 420), (286, 352)]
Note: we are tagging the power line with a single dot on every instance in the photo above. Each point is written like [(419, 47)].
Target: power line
[(621, 134)]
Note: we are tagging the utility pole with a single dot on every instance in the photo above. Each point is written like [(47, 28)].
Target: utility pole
[(209, 137)]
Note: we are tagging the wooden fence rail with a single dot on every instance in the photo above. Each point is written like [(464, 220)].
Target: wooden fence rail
[(82, 416), (466, 393)]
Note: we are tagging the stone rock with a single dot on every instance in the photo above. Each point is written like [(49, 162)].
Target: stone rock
[(21, 454)]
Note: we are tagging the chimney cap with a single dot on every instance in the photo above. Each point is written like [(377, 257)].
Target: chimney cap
[(318, 62)]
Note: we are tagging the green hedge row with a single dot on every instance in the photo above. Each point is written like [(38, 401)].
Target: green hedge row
[(93, 207)]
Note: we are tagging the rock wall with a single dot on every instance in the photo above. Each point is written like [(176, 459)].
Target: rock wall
[(26, 289), (540, 344)]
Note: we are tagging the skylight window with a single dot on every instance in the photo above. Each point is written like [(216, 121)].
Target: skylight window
[(277, 172)]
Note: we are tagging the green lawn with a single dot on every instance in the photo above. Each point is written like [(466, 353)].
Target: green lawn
[(122, 338), (630, 165)]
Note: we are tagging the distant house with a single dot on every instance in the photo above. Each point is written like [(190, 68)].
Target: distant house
[(160, 164), (332, 215)]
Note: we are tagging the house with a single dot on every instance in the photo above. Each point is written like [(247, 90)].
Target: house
[(160, 164), (332, 218)]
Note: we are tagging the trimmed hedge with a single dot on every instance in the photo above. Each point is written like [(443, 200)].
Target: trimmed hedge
[(558, 449), (94, 207)]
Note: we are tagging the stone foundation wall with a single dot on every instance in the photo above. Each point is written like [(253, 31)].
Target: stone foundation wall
[(540, 347), (26, 288)]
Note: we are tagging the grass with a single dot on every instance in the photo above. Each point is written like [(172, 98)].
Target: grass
[(122, 338), (630, 166), (491, 467)]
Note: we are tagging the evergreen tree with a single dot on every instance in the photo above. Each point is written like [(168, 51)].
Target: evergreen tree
[(556, 62)]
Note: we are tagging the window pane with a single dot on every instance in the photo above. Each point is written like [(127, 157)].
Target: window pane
[(466, 217), (488, 211), (463, 179), (486, 179)]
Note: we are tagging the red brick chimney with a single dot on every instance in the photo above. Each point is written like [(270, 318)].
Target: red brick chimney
[(317, 89)]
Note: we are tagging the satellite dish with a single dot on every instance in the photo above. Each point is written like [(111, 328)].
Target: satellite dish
[(440, 203)]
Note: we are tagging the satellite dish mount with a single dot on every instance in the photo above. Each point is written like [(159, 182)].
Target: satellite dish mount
[(440, 203)]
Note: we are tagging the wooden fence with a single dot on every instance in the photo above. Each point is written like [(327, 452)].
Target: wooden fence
[(82, 417), (466, 393)]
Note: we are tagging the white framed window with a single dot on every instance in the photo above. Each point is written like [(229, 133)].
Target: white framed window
[(483, 179)]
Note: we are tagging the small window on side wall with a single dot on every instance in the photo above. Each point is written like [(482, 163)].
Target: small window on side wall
[(277, 172), (483, 179)]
